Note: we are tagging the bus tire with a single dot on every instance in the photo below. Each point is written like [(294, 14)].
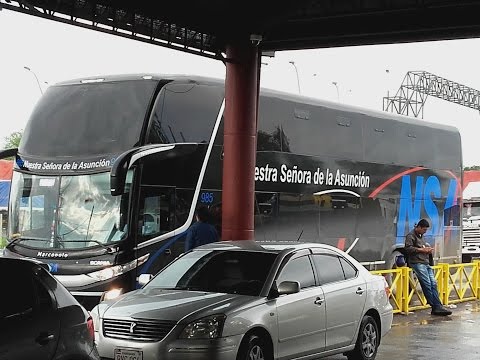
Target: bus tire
[(391, 264)]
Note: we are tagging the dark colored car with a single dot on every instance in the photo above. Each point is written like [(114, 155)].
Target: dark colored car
[(39, 318)]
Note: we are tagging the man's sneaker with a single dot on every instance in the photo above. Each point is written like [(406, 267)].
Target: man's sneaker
[(440, 310)]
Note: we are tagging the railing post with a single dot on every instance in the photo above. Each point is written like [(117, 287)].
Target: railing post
[(443, 287), (404, 285), (476, 278)]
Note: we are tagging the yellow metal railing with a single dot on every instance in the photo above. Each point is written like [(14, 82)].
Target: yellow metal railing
[(456, 283)]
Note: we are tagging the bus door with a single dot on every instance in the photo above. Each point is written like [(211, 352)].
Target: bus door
[(156, 216), (212, 199)]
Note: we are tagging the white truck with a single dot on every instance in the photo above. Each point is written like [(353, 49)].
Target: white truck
[(471, 229)]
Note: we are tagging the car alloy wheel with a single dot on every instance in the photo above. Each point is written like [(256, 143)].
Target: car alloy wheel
[(367, 341), (256, 353), (253, 348)]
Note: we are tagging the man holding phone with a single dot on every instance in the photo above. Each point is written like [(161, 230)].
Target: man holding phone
[(419, 254)]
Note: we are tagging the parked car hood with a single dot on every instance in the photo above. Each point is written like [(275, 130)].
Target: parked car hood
[(173, 305)]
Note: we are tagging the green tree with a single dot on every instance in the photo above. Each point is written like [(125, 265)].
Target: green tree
[(474, 167), (13, 140)]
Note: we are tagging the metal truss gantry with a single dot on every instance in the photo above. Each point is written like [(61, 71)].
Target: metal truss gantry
[(124, 22), (418, 85)]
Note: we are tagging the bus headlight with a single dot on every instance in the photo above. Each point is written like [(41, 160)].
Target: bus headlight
[(209, 327), (117, 270)]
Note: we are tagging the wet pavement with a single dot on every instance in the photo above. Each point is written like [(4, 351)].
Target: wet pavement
[(422, 336)]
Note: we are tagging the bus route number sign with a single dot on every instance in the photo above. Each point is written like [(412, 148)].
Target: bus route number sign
[(206, 197)]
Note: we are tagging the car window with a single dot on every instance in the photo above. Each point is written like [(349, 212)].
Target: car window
[(328, 268), (348, 269), (231, 272), (43, 299), (20, 283), (31, 294), (298, 269)]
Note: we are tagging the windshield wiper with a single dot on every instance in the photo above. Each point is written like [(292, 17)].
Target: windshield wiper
[(17, 239), (14, 241), (109, 249), (89, 221)]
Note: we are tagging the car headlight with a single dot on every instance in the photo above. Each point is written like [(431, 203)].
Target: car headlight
[(113, 271), (209, 327)]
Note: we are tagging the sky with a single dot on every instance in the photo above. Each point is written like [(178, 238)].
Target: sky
[(363, 74)]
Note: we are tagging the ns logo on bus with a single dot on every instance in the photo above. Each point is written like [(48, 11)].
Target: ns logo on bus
[(423, 197)]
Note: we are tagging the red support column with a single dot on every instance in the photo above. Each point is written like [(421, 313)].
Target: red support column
[(240, 133)]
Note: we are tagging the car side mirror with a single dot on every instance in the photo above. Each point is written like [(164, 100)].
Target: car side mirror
[(144, 279), (288, 287)]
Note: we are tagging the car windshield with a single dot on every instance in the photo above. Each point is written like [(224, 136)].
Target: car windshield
[(471, 209), (64, 212), (231, 272)]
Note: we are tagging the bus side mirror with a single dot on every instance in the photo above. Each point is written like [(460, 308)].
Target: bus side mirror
[(118, 174), (124, 161), (8, 153)]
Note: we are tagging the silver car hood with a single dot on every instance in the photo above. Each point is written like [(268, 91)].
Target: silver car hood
[(173, 305)]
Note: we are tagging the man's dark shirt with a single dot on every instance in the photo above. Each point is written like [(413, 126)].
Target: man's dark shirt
[(200, 233), (412, 243)]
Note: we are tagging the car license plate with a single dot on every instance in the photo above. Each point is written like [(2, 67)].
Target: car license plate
[(128, 354)]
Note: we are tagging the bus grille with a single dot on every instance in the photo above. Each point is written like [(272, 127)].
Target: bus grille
[(141, 330)]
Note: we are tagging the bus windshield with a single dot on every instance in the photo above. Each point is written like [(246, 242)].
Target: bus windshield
[(64, 212), (83, 120)]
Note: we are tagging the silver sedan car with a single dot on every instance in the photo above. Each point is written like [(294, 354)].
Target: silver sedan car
[(249, 300)]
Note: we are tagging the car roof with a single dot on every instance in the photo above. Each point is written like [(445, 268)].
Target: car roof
[(263, 246), (25, 259)]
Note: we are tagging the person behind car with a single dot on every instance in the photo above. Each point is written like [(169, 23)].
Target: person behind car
[(419, 253), (201, 232)]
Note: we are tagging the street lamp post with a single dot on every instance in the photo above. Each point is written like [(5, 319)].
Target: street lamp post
[(36, 78), (336, 87), (296, 71), (387, 71)]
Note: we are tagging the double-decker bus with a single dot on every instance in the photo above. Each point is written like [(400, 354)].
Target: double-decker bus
[(110, 170)]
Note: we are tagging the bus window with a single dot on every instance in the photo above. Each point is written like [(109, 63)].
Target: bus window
[(184, 113), (338, 219), (289, 217), (265, 215), (269, 134), (155, 211)]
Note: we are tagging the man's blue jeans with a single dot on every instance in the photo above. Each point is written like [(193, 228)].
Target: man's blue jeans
[(426, 277)]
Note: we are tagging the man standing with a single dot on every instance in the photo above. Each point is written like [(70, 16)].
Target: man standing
[(201, 232), (419, 252)]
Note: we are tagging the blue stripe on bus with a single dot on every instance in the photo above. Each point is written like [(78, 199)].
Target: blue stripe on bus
[(153, 257)]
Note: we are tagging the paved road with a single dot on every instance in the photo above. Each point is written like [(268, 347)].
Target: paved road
[(421, 336)]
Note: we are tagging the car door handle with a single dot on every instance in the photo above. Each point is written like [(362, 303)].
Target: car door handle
[(319, 301), (44, 338), (359, 291)]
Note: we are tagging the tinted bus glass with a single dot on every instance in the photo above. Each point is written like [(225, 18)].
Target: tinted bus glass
[(185, 113), (88, 119)]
